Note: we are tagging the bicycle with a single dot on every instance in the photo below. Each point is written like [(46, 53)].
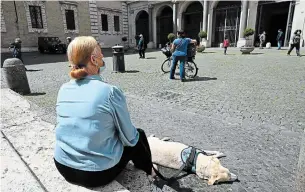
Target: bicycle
[(190, 66)]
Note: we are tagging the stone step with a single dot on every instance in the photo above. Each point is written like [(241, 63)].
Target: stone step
[(33, 138)]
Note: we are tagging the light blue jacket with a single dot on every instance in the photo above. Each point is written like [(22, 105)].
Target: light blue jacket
[(93, 125)]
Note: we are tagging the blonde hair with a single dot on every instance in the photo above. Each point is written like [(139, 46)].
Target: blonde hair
[(79, 54)]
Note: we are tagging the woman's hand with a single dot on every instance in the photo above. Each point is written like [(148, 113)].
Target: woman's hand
[(194, 41)]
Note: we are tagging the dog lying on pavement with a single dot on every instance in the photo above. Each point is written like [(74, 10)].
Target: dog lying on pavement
[(206, 164)]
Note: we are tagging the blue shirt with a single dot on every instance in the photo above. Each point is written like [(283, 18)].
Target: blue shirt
[(181, 46), (93, 125)]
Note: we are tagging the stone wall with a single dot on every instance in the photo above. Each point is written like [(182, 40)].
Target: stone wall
[(110, 8), (53, 21)]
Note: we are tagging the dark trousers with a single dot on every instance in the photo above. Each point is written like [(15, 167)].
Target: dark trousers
[(140, 155), (142, 53), (181, 67), (225, 50), (296, 46)]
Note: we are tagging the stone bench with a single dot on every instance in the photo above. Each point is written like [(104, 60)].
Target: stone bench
[(33, 139)]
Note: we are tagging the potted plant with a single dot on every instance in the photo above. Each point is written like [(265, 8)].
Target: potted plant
[(248, 47), (171, 37), (202, 35)]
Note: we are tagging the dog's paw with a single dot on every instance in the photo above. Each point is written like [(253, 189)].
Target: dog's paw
[(219, 155), (165, 139)]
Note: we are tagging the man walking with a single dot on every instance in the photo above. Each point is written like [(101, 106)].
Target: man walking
[(296, 39), (262, 39), (279, 39), (141, 47)]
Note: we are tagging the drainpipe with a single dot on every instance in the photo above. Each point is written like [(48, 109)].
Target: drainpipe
[(16, 22)]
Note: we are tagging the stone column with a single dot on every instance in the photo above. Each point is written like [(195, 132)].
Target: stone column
[(205, 16), (205, 21), (150, 23), (94, 20), (125, 22), (243, 23), (175, 11)]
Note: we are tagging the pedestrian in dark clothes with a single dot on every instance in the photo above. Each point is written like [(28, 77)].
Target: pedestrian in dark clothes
[(17, 50)]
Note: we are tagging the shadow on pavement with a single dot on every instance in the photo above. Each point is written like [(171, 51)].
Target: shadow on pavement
[(202, 79), (132, 71), (33, 70), (255, 53), (207, 52), (35, 94), (173, 184)]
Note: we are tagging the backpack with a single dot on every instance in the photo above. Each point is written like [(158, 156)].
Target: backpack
[(296, 39)]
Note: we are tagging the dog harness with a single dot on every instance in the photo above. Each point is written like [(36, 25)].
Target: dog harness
[(189, 157)]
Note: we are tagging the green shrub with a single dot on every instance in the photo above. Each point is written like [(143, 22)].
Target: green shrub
[(171, 37), (200, 48), (202, 34), (248, 32)]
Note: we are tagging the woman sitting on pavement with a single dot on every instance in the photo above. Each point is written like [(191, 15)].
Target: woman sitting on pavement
[(95, 138), (179, 49)]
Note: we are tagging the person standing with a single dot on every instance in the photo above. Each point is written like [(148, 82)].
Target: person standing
[(141, 47), (69, 39), (296, 38), (279, 39), (226, 44), (262, 39), (179, 50), (16, 45)]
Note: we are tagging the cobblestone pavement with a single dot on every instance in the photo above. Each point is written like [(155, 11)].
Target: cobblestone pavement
[(251, 107)]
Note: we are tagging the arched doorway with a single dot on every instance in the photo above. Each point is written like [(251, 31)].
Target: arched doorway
[(164, 25), (193, 20), (227, 17), (272, 16), (142, 25)]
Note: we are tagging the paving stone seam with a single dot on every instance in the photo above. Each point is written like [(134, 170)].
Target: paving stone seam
[(24, 162)]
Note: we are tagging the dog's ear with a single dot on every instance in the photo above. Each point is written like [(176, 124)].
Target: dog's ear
[(212, 180), (165, 139)]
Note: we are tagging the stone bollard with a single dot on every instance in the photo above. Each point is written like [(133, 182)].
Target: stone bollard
[(15, 75)]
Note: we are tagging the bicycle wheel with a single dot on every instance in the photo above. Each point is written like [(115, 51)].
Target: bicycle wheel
[(191, 69), (166, 65)]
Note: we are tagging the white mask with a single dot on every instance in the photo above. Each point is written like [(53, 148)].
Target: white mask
[(103, 67)]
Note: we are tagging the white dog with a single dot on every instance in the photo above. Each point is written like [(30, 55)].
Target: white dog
[(170, 154)]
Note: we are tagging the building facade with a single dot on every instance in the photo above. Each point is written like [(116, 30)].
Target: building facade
[(156, 19), (109, 21), (32, 19), (29, 20)]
